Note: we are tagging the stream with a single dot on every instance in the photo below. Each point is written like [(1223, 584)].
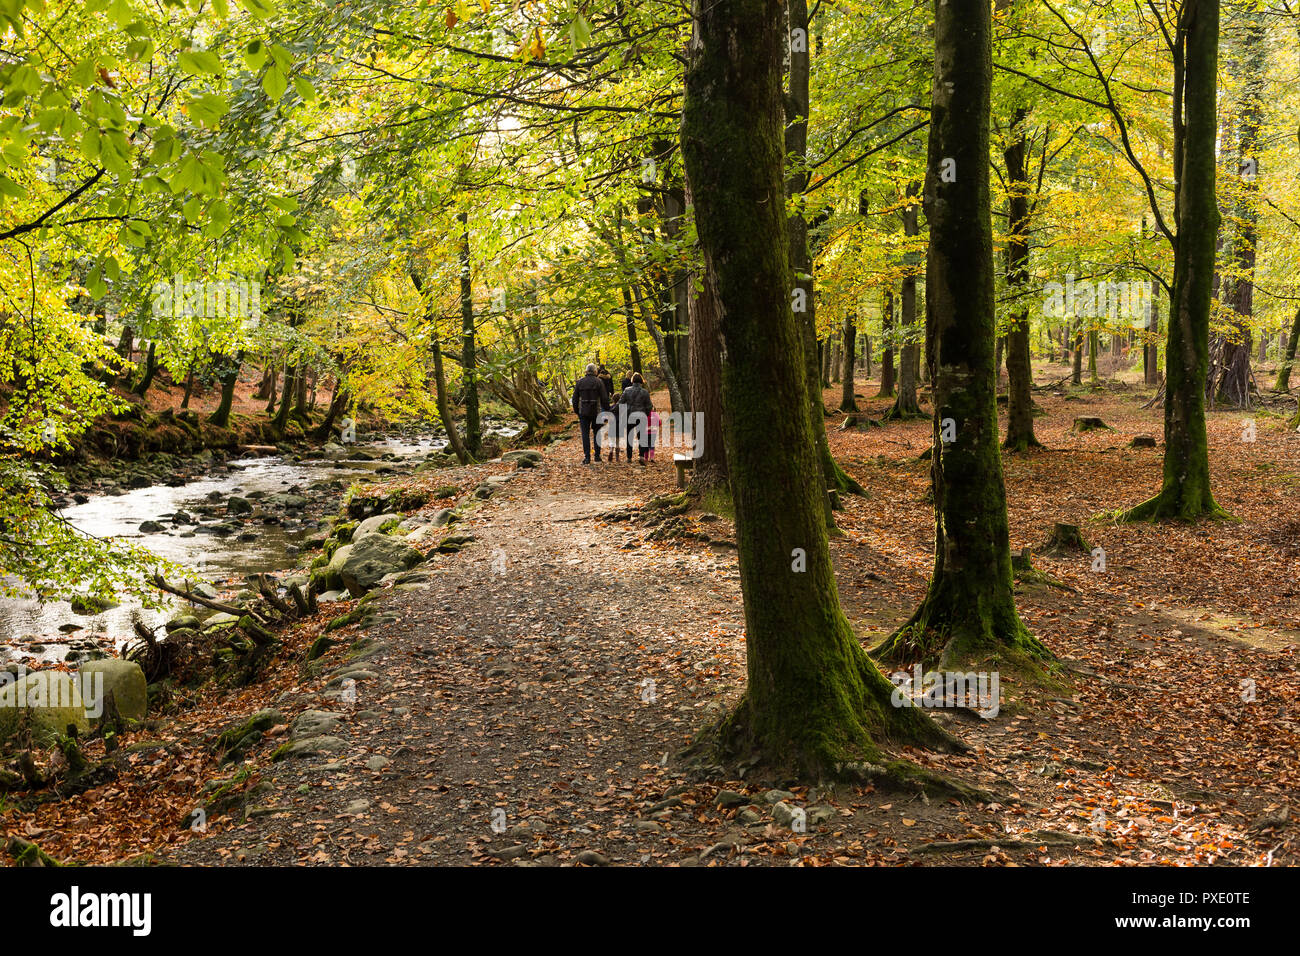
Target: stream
[(32, 630)]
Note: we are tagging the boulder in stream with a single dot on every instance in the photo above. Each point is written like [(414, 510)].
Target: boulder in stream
[(375, 555)]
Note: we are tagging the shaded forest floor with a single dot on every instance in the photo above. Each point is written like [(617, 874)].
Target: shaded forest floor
[(524, 701)]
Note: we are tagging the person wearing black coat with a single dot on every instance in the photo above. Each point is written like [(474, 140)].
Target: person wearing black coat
[(636, 398), (590, 398), (624, 438)]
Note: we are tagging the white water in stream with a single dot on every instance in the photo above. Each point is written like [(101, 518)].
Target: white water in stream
[(24, 622)]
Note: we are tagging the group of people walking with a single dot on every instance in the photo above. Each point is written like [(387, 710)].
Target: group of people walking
[(631, 417)]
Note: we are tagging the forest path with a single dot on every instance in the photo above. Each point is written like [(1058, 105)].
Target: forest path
[(522, 705)]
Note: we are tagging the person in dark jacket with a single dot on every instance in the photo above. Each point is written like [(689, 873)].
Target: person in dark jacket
[(637, 406), (608, 381), (590, 399), (623, 436)]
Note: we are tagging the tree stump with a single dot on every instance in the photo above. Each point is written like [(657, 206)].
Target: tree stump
[(1142, 441), (1065, 539), (1090, 425)]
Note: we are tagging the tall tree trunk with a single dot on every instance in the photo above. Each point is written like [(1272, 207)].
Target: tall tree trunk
[(813, 700), (281, 420), (796, 145), (1151, 348), (229, 379), (150, 370), (1093, 336), (706, 374), (1185, 493), (887, 355), (440, 378), (1076, 377), (848, 403), (1233, 386), (969, 610), (468, 355), (905, 405), (1020, 378), (630, 316), (1288, 356), (338, 402), (266, 387)]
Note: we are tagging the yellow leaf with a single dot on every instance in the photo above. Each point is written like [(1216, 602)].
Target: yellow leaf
[(486, 5)]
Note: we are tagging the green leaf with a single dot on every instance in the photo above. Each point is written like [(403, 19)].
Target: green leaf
[(304, 88), (200, 62), (274, 83), (208, 108), (259, 8), (90, 144), (255, 55), (10, 188)]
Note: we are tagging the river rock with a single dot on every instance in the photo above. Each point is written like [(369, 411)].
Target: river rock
[(150, 527), (220, 620), (314, 723), (236, 505), (289, 502), (523, 457), (369, 559), (90, 604), (47, 702), (124, 679), (375, 525)]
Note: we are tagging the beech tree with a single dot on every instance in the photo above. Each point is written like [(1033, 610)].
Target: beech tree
[(969, 608), (813, 698)]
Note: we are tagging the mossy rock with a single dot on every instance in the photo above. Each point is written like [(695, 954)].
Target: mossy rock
[(123, 679), (320, 646), (453, 543), (46, 704)]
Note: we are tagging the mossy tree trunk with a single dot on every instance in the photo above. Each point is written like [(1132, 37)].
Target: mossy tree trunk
[(229, 378), (813, 698), (796, 146), (710, 467), (1185, 493), (468, 354), (440, 378), (150, 370), (1288, 358), (887, 354), (969, 609), (848, 403), (905, 404), (1233, 385), (1020, 379), (281, 420)]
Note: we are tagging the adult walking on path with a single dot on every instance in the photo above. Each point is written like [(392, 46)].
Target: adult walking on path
[(637, 406), (624, 438), (590, 398)]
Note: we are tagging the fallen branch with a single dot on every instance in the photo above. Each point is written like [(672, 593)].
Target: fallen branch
[(158, 582)]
